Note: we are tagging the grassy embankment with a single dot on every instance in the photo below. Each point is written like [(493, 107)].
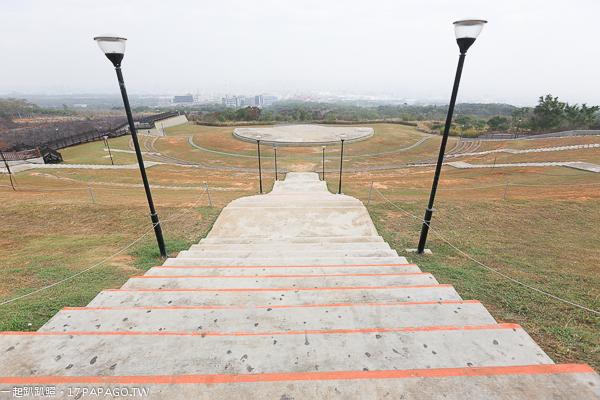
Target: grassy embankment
[(545, 236)]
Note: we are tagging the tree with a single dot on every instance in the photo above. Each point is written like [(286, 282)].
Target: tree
[(331, 117), (243, 114), (305, 116), (498, 123), (465, 120), (549, 113)]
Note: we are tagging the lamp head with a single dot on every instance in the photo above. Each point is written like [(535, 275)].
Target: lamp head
[(113, 47), (323, 147), (466, 31)]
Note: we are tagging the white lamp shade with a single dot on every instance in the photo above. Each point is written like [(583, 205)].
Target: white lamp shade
[(468, 28), (111, 44)]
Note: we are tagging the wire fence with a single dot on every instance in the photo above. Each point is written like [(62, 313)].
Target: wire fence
[(421, 220)]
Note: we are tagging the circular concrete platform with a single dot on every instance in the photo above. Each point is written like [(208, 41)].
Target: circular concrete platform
[(303, 135)]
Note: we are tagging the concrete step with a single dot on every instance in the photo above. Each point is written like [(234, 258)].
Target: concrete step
[(301, 222), (207, 352), (268, 297), (275, 270), (302, 202), (532, 382), (264, 318), (292, 240), (289, 246), (272, 261), (278, 281), (287, 254)]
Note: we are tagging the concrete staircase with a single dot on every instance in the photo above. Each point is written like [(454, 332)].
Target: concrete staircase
[(293, 295)]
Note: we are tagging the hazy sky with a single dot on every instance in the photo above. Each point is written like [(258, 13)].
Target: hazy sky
[(406, 48)]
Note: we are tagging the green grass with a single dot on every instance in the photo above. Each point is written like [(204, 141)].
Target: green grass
[(552, 248), (544, 236)]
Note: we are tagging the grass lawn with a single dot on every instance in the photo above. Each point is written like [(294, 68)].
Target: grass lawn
[(544, 234)]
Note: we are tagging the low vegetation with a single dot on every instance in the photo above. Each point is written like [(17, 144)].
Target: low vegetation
[(544, 233)]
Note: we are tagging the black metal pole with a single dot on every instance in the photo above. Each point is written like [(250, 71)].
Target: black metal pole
[(323, 162), (138, 153), (7, 170), (109, 153), (438, 168), (275, 148), (59, 139), (259, 169), (341, 162)]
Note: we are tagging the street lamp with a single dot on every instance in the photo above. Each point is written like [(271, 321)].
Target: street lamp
[(323, 147), (342, 138), (58, 145), (518, 125), (108, 147), (259, 169), (462, 128), (275, 149), (114, 49), (466, 32)]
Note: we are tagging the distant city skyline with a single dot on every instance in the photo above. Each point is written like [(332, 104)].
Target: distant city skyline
[(383, 47)]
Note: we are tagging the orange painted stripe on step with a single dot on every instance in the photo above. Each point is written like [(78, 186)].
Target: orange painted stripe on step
[(287, 266), (303, 332), (274, 289), (278, 251), (283, 306), (279, 258), (271, 276), (543, 369)]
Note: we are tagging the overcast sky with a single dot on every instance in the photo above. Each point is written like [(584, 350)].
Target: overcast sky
[(405, 48)]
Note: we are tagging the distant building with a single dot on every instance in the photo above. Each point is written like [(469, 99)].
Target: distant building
[(268, 100), (217, 98), (231, 102), (183, 99)]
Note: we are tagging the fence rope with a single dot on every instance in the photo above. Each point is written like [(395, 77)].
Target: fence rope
[(485, 266), (493, 186), (106, 259)]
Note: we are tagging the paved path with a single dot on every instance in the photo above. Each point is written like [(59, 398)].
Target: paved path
[(292, 295), (25, 167), (583, 166)]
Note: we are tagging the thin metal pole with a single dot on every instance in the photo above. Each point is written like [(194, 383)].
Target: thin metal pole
[(368, 201), (323, 162), (275, 148), (259, 169), (60, 141), (438, 169), (505, 190), (208, 191), (109, 152), (91, 194), (8, 170), (138, 153), (341, 162)]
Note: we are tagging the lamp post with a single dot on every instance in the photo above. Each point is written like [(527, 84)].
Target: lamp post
[(342, 138), (323, 147), (58, 145), (518, 125), (462, 128), (114, 49), (259, 169), (108, 147), (275, 149), (466, 32)]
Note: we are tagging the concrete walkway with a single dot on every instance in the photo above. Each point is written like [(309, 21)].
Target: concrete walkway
[(583, 166), (292, 295)]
